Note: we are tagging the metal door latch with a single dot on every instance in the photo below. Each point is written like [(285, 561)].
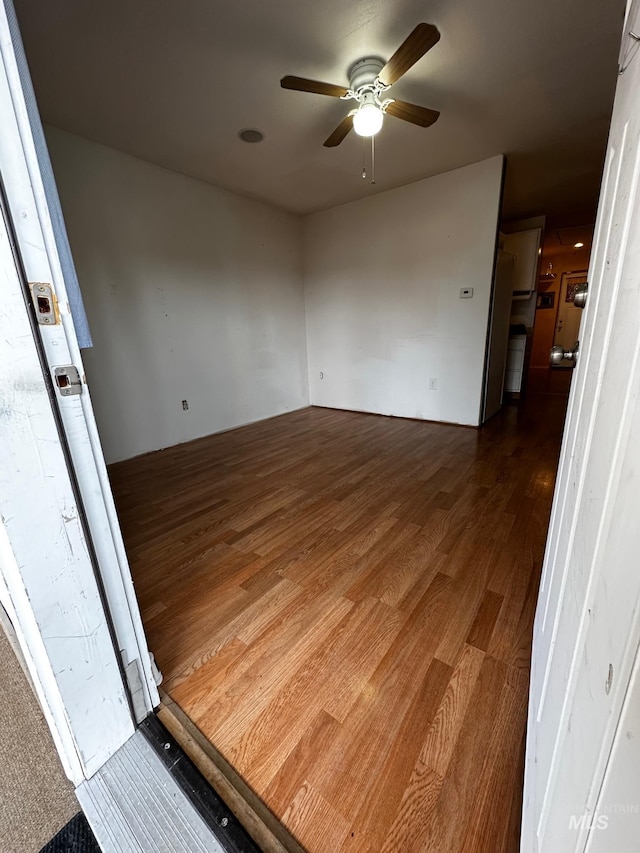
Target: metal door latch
[(580, 295), (67, 379), (558, 354)]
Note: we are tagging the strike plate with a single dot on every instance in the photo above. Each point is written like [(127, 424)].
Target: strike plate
[(67, 380), (45, 303)]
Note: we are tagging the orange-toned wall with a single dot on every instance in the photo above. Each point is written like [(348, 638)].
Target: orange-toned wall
[(541, 378)]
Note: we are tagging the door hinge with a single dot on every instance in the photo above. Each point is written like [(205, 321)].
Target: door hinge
[(133, 674), (135, 682)]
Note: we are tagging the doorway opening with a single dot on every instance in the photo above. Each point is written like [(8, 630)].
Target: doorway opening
[(340, 601), (341, 604), (564, 262)]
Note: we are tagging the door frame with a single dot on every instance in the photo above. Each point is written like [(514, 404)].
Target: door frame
[(94, 686), (49, 588), (68, 588), (587, 626)]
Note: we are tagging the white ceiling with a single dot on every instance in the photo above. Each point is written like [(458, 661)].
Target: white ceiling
[(173, 81)]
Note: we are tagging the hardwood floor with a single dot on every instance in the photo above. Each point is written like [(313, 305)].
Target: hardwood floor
[(343, 604)]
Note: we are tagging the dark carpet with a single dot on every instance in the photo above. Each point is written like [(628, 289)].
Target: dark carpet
[(75, 837)]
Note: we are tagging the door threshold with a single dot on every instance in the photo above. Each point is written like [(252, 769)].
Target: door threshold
[(263, 826), (142, 801)]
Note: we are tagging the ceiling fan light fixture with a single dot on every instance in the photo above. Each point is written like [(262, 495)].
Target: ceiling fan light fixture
[(367, 121), (369, 80)]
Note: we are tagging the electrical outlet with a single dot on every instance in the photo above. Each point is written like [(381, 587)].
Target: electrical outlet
[(321, 375), (433, 384), (185, 405)]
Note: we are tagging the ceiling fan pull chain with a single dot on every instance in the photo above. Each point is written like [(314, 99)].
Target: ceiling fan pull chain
[(373, 159), (364, 155)]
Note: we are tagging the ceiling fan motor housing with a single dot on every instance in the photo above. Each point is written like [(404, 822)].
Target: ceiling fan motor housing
[(364, 72)]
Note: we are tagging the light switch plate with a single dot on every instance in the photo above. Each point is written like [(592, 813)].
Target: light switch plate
[(466, 292)]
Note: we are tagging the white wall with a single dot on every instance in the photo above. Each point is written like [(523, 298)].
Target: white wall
[(195, 293), (382, 280), (192, 293)]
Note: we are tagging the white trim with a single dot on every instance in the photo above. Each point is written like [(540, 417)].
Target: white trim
[(46, 560), (35, 235), (587, 624), (36, 660), (44, 556)]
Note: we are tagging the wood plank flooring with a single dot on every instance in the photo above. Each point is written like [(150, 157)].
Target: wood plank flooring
[(343, 604)]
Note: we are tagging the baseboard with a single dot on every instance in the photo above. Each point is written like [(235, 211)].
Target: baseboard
[(115, 462), (396, 417)]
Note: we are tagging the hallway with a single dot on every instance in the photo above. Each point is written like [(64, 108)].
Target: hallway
[(343, 604)]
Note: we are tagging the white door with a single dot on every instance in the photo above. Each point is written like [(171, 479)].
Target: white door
[(500, 313), (48, 583), (34, 220), (587, 623)]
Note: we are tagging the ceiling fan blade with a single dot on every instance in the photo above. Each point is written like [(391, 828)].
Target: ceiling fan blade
[(340, 132), (417, 43), (413, 113), (301, 84)]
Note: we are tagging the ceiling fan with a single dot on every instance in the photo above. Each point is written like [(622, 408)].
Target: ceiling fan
[(369, 80)]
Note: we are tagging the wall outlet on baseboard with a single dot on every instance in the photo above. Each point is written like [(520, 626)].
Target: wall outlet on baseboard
[(433, 384)]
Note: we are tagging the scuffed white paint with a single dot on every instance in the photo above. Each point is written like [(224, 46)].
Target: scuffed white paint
[(617, 812), (34, 232), (44, 558), (192, 293)]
